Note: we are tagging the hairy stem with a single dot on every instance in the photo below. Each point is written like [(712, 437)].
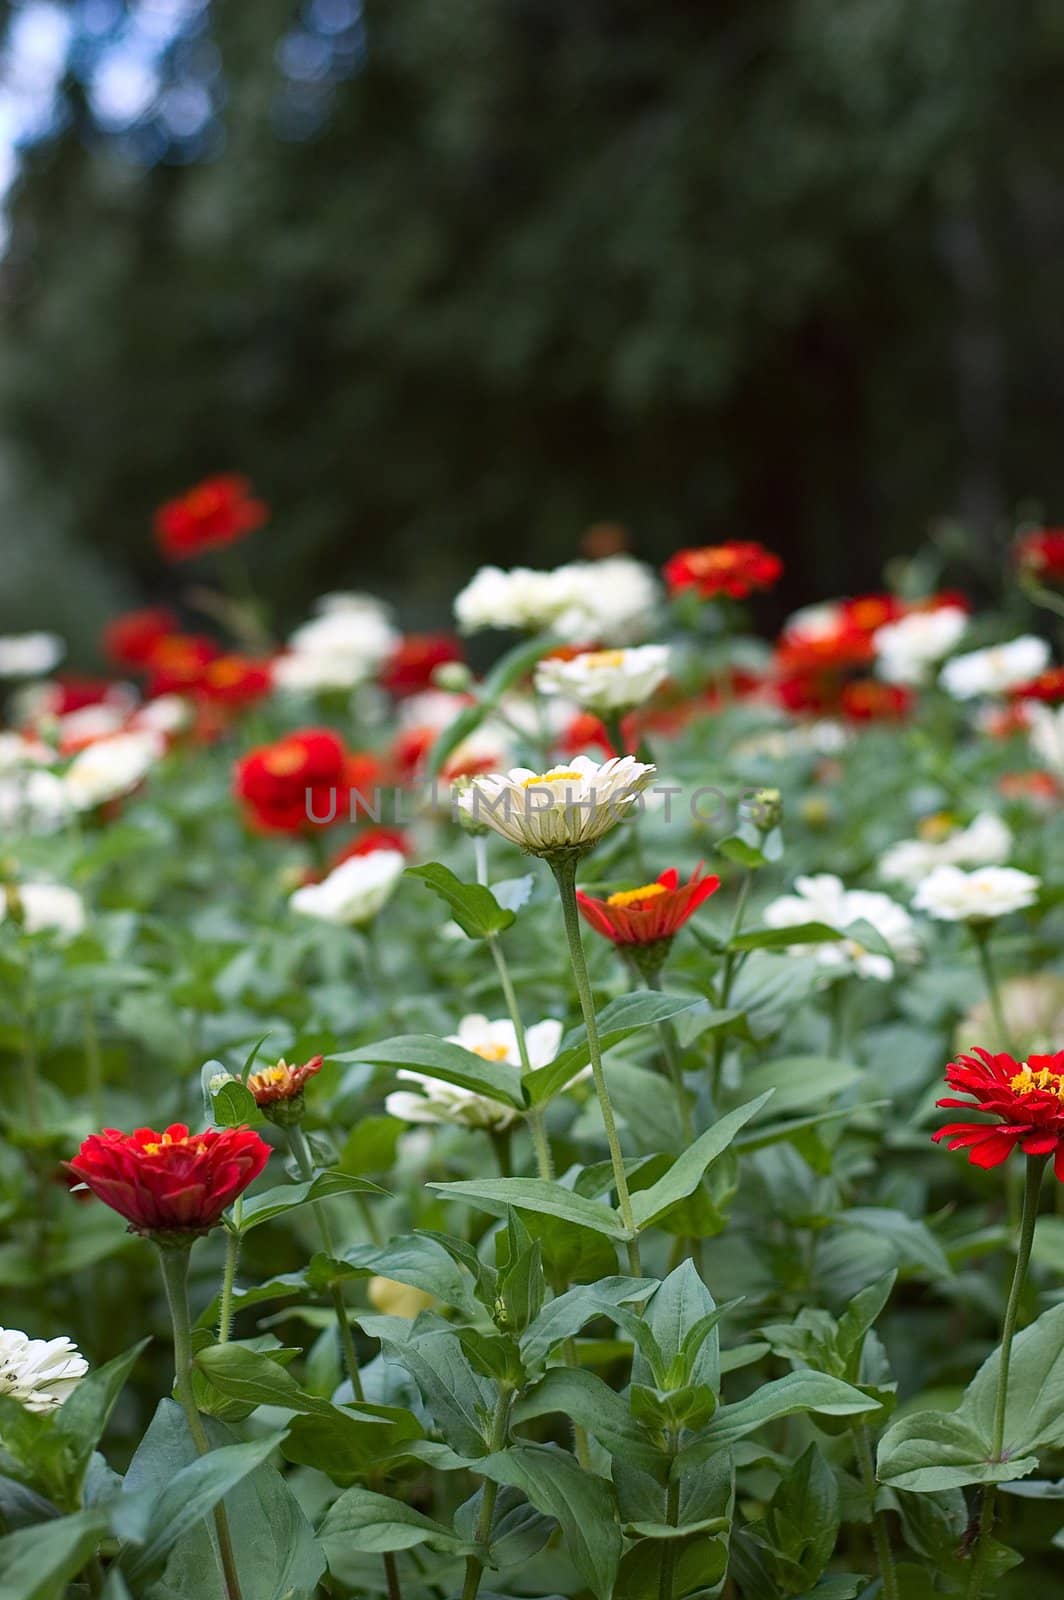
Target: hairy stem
[(474, 1569), (880, 1533)]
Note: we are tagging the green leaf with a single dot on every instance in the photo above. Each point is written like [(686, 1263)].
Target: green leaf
[(799, 1081), (459, 1401), (376, 1524), (580, 1502), (741, 852), (781, 938), (286, 1197), (251, 1376), (685, 1174), (37, 1563), (594, 1406), (617, 1021), (798, 1391), (534, 1194), (569, 1312), (678, 1310), (451, 1063), (473, 906), (233, 1105), (82, 1418), (931, 1450)]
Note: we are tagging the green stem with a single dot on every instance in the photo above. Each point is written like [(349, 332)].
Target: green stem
[(174, 1265), (391, 1577), (981, 937), (297, 1143), (564, 869), (1032, 1186), (880, 1533), (474, 1568), (670, 1050), (232, 1256), (727, 976), (666, 1580), (534, 1116)]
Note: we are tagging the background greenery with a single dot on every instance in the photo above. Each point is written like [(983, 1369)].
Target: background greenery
[(452, 282)]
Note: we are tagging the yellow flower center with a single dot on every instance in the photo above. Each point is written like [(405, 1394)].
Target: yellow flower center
[(158, 1145), (275, 1074), (628, 897), (551, 777), (1026, 1082), (936, 827), (284, 760), (490, 1052), (604, 658)]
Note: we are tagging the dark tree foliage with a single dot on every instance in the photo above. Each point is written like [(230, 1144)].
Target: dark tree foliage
[(784, 269)]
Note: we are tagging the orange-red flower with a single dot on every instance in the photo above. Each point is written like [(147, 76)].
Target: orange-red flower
[(302, 781), (174, 1183), (1047, 687), (176, 663), (734, 569), (1040, 555), (1026, 1098), (649, 914), (411, 666), (282, 1082), (217, 512), (868, 700), (233, 680), (131, 639)]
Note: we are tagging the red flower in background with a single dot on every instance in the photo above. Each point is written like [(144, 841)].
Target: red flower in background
[(1047, 687), (411, 666), (868, 700), (647, 915), (64, 695), (372, 840), (217, 512), (734, 569), (1027, 1098), (177, 661), (1040, 555), (233, 680), (174, 1182), (131, 639), (303, 780)]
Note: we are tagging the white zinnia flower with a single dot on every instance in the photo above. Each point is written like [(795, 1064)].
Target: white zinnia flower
[(18, 750), (339, 649), (32, 801), (997, 669), (39, 1373), (437, 1101), (951, 895), (166, 714), (43, 907), (604, 681), (565, 808), (986, 841), (29, 655), (824, 898), (354, 892), (908, 648), (111, 768), (1046, 733), (582, 600)]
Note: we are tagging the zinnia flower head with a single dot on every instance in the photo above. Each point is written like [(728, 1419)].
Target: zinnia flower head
[(217, 512), (564, 809), (1040, 555), (438, 1102), (173, 1185), (131, 638), (997, 669), (354, 892), (111, 767), (605, 681), (412, 666), (650, 915), (1027, 1098), (39, 1373), (278, 1090), (823, 897), (908, 648), (298, 782), (43, 908), (734, 569), (951, 895)]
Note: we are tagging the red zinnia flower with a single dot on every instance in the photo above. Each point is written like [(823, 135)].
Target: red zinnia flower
[(302, 781), (282, 1082), (233, 680), (736, 569), (174, 1182), (412, 664), (217, 512), (176, 663), (1040, 555), (1027, 1098), (131, 638), (651, 913), (374, 839), (868, 700), (1047, 687)]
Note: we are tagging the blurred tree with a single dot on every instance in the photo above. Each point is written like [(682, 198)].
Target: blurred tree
[(452, 282)]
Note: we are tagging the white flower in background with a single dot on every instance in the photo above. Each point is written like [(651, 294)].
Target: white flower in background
[(354, 892), (437, 1101), (39, 1373), (951, 895), (355, 602), (906, 650), (604, 681), (111, 768), (44, 907), (167, 714), (1046, 732), (18, 750), (583, 600), (824, 898), (986, 841), (564, 808), (30, 655), (813, 622), (32, 801), (342, 647), (997, 669), (91, 723)]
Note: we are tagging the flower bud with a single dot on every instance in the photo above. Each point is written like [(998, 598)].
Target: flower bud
[(764, 809), (453, 677)]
